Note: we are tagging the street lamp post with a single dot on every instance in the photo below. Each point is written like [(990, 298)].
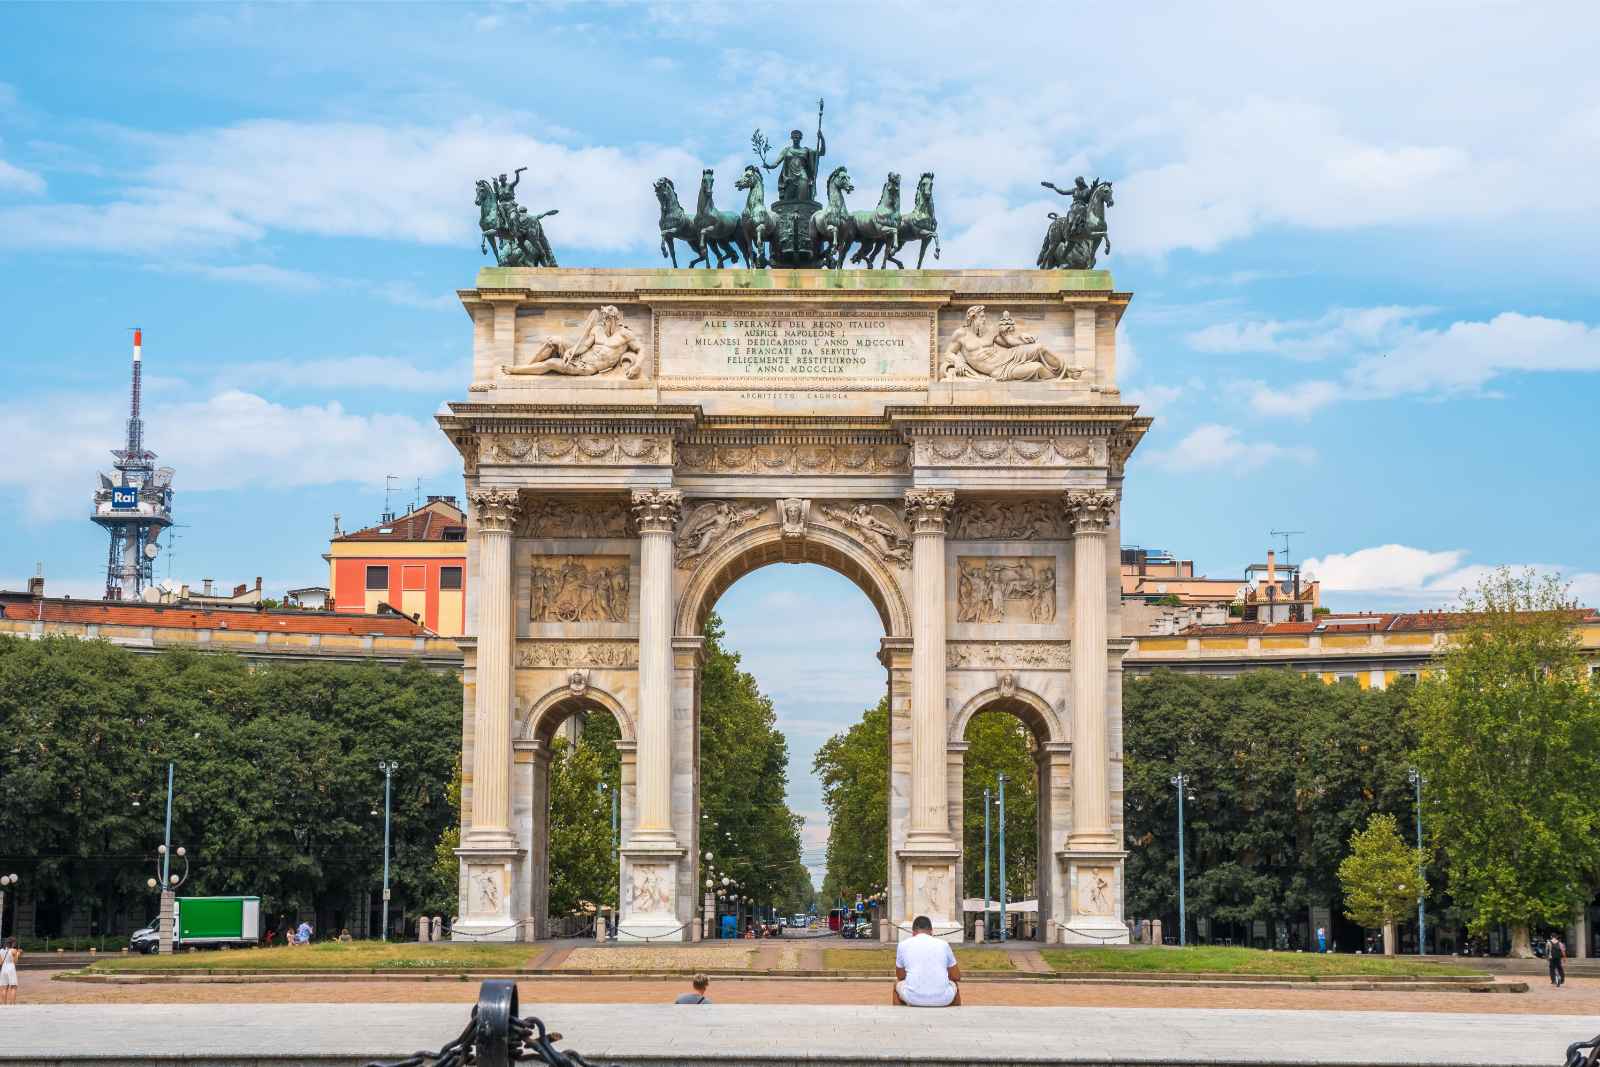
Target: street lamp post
[(986, 864), (1422, 872), (6, 881), (388, 767), (1003, 916), (1181, 782), (169, 882)]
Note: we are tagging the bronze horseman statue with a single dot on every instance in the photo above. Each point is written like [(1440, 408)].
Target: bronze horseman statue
[(516, 237), (1072, 240)]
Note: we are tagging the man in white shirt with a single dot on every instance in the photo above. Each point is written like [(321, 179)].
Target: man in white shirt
[(926, 975)]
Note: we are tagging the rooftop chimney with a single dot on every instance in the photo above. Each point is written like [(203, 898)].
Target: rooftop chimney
[(1272, 567), (258, 583), (36, 586), (336, 530), (205, 587)]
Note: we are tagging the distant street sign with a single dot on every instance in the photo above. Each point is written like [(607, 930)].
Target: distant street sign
[(385, 893), (124, 498)]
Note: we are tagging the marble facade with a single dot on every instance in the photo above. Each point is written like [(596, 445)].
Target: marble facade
[(682, 428)]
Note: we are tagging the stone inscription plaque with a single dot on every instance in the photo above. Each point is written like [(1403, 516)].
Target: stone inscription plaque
[(867, 348)]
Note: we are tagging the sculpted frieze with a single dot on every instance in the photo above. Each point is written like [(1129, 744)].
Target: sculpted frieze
[(1010, 452), (798, 458), (875, 525), (579, 589), (603, 347), (709, 524), (577, 449), (1005, 589), (552, 516), (996, 519), (571, 654), (1047, 655)]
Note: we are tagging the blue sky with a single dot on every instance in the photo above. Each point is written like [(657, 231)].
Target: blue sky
[(1362, 242)]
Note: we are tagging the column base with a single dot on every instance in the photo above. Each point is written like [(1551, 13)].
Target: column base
[(928, 871), (488, 887), (1094, 888), (649, 909)]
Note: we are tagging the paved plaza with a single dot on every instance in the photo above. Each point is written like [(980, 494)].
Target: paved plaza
[(221, 1035)]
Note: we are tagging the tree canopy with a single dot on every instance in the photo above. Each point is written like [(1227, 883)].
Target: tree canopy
[(1283, 770), (1380, 875), (278, 791), (1509, 745)]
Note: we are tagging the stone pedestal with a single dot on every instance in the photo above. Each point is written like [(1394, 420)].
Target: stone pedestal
[(1094, 895), (649, 909)]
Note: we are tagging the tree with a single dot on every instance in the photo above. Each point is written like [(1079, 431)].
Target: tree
[(582, 869), (278, 792), (1380, 875), (1283, 769), (1509, 746), (1000, 744), (853, 767)]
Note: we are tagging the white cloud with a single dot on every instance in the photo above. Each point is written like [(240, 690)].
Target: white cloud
[(1213, 446), (1404, 577), (1466, 356), (348, 373), (1299, 400), (264, 275), (356, 179), (15, 178), (1154, 399), (229, 440), (1387, 352)]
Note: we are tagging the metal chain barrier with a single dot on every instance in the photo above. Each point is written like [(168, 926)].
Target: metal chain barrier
[(495, 1037)]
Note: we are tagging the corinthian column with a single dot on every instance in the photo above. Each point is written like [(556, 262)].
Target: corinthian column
[(496, 513), (926, 510), (1090, 512), (657, 511)]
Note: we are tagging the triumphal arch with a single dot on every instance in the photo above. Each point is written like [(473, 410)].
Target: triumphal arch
[(634, 441)]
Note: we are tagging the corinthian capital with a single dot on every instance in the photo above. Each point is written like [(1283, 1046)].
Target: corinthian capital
[(495, 509), (1090, 511), (657, 510), (926, 509)]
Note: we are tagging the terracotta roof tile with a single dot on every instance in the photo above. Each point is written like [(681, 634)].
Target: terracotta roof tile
[(427, 523), (21, 607)]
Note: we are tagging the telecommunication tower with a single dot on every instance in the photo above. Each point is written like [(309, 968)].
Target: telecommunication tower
[(133, 503)]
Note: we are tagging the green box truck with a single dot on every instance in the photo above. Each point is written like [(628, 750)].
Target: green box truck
[(209, 922)]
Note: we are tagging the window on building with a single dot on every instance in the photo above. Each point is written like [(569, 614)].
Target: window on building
[(1345, 677), (1410, 676), (455, 533), (449, 577), (377, 577)]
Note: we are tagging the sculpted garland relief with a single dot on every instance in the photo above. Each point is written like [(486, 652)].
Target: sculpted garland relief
[(1010, 452), (578, 654), (579, 449), (782, 458), (973, 655), (579, 589), (1005, 589)]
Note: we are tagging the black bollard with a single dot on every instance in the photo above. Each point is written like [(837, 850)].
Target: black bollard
[(497, 1006)]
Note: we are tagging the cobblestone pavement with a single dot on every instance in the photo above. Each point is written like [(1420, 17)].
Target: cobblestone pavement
[(1581, 996)]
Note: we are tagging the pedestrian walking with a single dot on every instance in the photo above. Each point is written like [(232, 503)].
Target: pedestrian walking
[(1555, 954), (8, 971), (1322, 939), (302, 936)]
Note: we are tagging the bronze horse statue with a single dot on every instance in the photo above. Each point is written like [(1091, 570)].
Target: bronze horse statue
[(833, 228), (675, 223), (1073, 239), (920, 223), (879, 229), (718, 230), (757, 226)]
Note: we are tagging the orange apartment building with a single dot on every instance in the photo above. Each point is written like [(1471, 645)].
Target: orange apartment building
[(414, 564)]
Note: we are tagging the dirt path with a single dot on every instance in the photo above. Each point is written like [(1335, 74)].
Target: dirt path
[(1581, 996)]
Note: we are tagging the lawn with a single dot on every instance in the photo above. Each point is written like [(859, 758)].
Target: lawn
[(882, 959), (334, 956), (1207, 959)]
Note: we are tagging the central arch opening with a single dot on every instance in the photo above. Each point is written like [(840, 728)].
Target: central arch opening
[(801, 644)]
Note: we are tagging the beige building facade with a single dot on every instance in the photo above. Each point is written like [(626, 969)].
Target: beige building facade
[(634, 441)]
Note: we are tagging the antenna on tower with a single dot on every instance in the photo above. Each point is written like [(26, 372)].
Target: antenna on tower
[(416, 496), (389, 481), (1286, 534), (133, 504)]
